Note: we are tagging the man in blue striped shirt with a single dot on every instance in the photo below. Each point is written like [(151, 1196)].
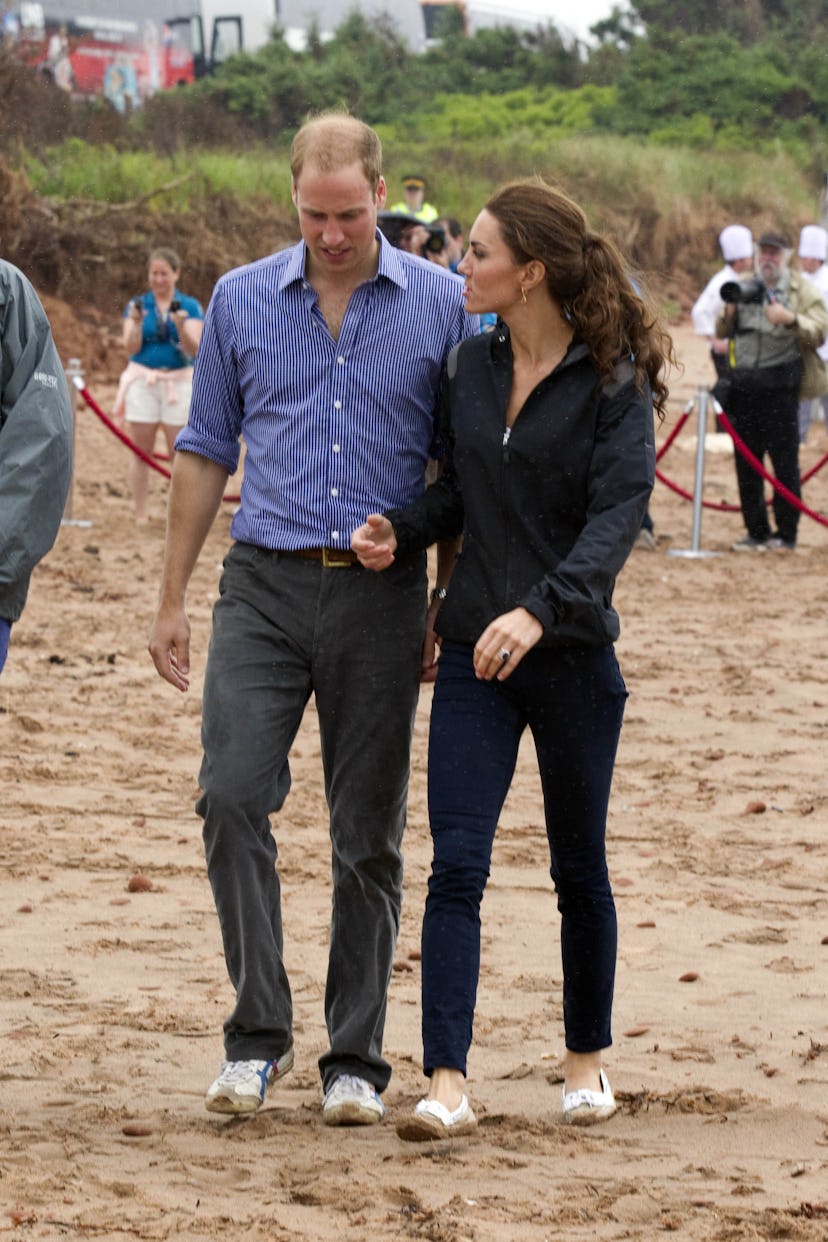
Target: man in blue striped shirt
[(326, 359)]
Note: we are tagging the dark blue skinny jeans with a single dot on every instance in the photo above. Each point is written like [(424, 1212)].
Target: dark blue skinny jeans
[(572, 699)]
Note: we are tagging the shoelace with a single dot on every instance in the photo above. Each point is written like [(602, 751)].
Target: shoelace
[(352, 1084), (234, 1070)]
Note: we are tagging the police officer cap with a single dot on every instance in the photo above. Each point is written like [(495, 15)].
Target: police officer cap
[(813, 243), (736, 242)]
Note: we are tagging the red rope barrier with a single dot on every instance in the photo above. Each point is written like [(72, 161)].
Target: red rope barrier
[(753, 461), (809, 474), (668, 442), (125, 439), (723, 506)]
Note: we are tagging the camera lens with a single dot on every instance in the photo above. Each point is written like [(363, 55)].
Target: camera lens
[(175, 305)]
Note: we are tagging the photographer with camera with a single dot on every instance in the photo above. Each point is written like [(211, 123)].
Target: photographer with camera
[(406, 232), (770, 321), (161, 334), (426, 240)]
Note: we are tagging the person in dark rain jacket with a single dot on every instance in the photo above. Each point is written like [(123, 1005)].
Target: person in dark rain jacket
[(549, 426), (35, 442)]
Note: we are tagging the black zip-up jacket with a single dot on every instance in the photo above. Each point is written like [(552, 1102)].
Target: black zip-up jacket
[(548, 510)]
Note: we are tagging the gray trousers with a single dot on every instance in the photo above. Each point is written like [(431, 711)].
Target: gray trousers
[(282, 629)]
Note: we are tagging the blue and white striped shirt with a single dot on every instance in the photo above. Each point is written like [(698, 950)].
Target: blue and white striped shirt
[(333, 429)]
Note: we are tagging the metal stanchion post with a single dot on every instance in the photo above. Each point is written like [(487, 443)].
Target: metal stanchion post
[(74, 378), (698, 487)]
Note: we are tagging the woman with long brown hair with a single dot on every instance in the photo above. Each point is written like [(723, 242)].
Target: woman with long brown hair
[(549, 425)]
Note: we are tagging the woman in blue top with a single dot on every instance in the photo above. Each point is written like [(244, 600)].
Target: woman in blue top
[(161, 334)]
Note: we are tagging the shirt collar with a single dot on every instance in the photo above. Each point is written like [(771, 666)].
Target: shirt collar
[(391, 264), (294, 269)]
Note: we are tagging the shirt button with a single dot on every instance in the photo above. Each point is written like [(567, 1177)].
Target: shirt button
[(334, 534), (341, 360), (335, 448), (337, 405), (334, 491)]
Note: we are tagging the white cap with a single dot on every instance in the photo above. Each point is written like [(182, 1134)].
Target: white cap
[(736, 242), (813, 243)]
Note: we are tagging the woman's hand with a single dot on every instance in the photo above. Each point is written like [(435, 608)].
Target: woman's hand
[(503, 644), (375, 542), (189, 331), (133, 328)]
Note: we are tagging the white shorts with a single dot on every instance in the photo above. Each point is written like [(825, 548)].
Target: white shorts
[(165, 399)]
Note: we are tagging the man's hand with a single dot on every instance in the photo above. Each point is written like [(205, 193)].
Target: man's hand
[(778, 314), (431, 646), (375, 542), (169, 646), (195, 495)]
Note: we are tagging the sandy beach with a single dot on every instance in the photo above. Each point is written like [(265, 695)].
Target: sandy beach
[(112, 979)]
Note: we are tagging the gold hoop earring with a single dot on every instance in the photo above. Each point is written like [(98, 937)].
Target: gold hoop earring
[(523, 295)]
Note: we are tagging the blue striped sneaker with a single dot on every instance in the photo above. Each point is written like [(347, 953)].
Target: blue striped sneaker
[(351, 1101), (241, 1085)]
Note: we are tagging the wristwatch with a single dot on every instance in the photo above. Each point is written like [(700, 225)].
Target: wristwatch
[(438, 593)]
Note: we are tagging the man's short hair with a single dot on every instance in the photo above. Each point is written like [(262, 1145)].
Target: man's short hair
[(333, 140), (774, 241)]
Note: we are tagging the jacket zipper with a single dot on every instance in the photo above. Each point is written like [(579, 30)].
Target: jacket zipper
[(504, 462)]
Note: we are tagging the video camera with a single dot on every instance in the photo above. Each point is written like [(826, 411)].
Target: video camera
[(746, 291)]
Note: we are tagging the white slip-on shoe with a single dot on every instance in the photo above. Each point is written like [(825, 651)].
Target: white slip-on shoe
[(585, 1107), (432, 1120), (241, 1085)]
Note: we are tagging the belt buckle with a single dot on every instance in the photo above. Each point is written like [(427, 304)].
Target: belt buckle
[(332, 559)]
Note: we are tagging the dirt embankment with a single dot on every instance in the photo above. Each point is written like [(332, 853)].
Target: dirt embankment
[(86, 260)]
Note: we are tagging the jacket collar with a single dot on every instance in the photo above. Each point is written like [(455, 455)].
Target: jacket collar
[(501, 348)]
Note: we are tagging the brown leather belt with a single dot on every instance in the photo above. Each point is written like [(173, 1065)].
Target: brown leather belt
[(331, 558)]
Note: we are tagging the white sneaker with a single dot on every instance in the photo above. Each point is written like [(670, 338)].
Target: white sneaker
[(585, 1107), (241, 1085), (351, 1101)]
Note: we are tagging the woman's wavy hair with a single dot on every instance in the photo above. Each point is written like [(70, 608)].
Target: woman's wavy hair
[(589, 279)]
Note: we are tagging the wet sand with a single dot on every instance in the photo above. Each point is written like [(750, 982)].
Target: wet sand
[(111, 999)]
